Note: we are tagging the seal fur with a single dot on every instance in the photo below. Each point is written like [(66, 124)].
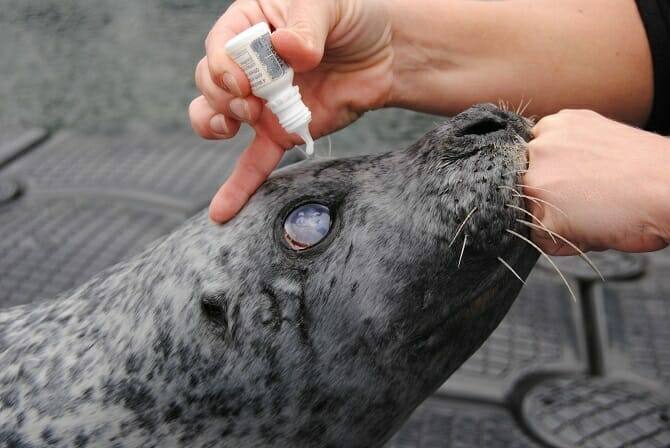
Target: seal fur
[(222, 336)]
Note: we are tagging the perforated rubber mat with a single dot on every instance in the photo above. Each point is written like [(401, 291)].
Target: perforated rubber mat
[(174, 168), (555, 373), (541, 333), (594, 412), (52, 245), (441, 422), (79, 203), (15, 142), (636, 328), (612, 265)]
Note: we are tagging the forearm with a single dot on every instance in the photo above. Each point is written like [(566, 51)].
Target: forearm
[(590, 54)]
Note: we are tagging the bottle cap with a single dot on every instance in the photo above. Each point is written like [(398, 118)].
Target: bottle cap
[(290, 110)]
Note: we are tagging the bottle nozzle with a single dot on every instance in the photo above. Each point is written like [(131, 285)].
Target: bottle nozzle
[(303, 131)]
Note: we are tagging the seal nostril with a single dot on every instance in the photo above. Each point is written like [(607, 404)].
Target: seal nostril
[(483, 126)]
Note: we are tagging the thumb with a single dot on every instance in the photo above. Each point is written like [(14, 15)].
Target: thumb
[(301, 42)]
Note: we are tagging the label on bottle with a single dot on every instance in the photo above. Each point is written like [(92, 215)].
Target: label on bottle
[(260, 62)]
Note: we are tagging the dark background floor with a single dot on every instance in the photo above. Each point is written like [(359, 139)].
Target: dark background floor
[(97, 160)]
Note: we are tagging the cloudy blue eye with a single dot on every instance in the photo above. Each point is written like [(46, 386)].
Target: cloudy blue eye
[(306, 225)]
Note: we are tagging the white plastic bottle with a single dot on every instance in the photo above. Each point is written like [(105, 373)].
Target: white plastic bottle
[(271, 79)]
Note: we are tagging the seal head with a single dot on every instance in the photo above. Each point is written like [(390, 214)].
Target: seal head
[(342, 295)]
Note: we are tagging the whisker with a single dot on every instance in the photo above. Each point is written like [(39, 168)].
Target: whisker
[(504, 263), (536, 200), (525, 107), (458, 230), (533, 217), (534, 188), (548, 258), (460, 258), (507, 187), (515, 172), (521, 141), (569, 243)]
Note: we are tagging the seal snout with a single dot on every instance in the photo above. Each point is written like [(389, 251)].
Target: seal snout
[(487, 121), (480, 125)]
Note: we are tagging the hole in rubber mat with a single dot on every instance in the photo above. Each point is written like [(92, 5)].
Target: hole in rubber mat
[(9, 190)]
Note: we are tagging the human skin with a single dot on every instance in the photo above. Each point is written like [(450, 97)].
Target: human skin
[(356, 55), (608, 183)]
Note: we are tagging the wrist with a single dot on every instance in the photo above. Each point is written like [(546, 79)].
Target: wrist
[(420, 55), (660, 190)]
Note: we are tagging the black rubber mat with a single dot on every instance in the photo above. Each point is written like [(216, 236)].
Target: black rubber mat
[(80, 203), (541, 333), (444, 423), (593, 412), (14, 142), (53, 244), (172, 168), (636, 327), (612, 265), (9, 189)]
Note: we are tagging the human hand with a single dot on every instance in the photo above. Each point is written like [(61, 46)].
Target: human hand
[(341, 52), (608, 184)]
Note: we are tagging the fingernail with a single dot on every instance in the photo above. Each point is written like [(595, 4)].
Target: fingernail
[(230, 84), (218, 124), (240, 109)]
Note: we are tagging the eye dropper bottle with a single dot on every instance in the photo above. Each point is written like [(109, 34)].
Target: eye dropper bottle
[(271, 79)]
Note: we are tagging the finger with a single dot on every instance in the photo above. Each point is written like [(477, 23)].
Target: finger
[(302, 42), (208, 123), (217, 97), (546, 124), (549, 246), (252, 169), (248, 109), (223, 70)]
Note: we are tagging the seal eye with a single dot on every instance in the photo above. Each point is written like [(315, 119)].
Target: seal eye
[(306, 225)]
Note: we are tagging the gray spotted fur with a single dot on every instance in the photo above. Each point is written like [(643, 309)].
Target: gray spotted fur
[(222, 336)]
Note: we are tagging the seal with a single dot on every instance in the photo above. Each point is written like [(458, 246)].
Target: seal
[(342, 295)]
